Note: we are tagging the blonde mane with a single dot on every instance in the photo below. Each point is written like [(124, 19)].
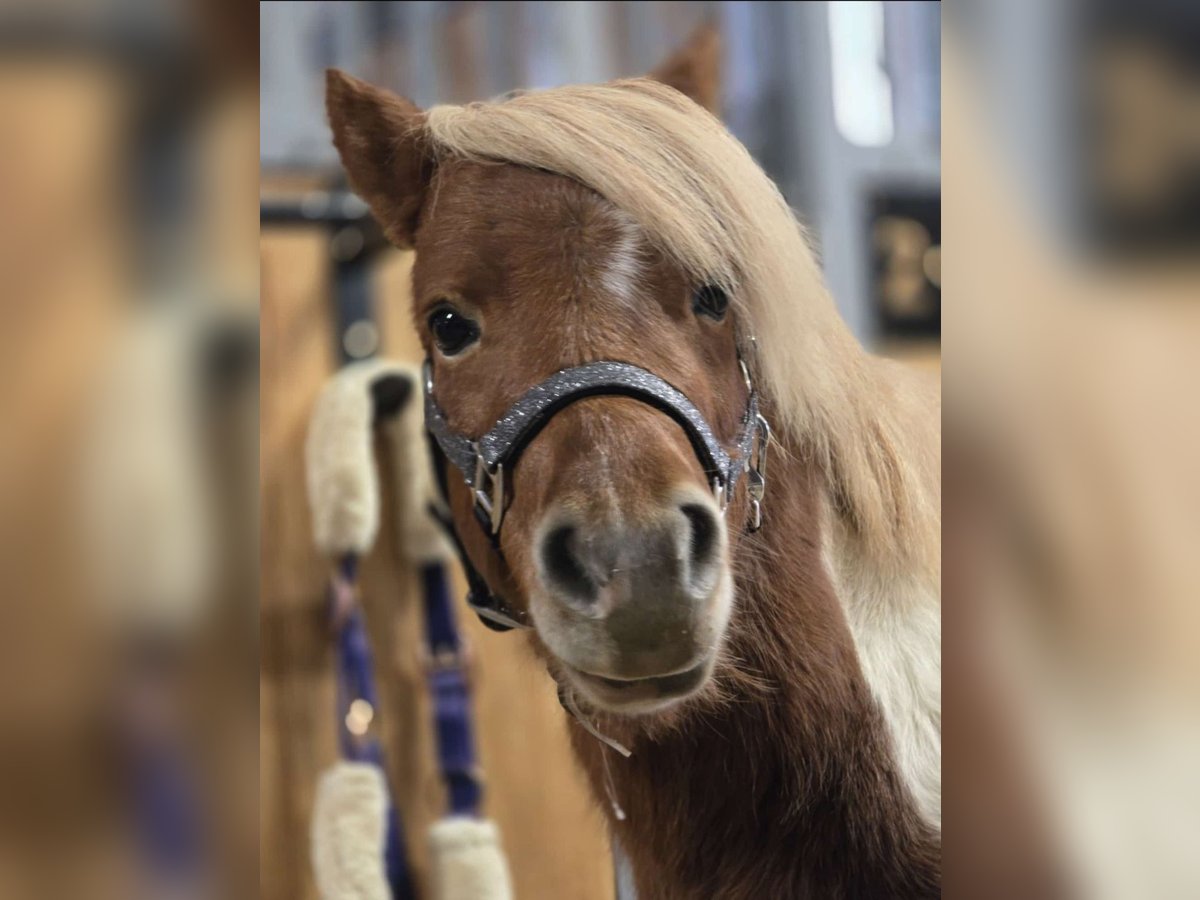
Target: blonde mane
[(698, 193)]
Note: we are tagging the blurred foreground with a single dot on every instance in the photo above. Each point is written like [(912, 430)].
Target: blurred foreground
[(128, 451), (1071, 363)]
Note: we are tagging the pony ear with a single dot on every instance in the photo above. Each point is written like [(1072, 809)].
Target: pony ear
[(695, 68), (381, 139)]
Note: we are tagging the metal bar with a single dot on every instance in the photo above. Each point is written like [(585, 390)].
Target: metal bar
[(354, 241)]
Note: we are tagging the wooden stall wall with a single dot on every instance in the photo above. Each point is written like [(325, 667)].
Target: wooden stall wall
[(552, 835)]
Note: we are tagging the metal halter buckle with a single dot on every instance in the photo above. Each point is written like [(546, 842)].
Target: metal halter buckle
[(445, 659), (720, 494), (489, 504), (756, 472)]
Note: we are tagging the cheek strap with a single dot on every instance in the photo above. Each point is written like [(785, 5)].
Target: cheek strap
[(492, 609)]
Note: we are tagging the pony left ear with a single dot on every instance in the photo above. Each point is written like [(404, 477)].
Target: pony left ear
[(695, 68), (382, 142)]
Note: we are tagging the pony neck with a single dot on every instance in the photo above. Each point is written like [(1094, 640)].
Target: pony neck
[(782, 783)]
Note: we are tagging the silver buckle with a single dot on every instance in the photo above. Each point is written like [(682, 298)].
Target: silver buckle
[(756, 472), (719, 494), (491, 502), (445, 659)]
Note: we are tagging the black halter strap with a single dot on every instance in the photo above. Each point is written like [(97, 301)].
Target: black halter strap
[(492, 610), (485, 462)]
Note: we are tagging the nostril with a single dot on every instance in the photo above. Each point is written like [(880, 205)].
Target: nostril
[(704, 532), (563, 566)]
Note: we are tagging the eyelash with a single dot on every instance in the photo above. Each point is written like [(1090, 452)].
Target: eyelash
[(711, 301)]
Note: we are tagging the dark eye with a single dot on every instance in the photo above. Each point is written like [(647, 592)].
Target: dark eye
[(710, 301), (452, 331)]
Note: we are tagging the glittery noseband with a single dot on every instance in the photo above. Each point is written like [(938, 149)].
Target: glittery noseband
[(486, 461)]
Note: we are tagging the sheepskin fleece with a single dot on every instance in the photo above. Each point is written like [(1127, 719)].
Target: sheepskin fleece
[(468, 863), (421, 538), (343, 485), (343, 482), (146, 513), (348, 830)]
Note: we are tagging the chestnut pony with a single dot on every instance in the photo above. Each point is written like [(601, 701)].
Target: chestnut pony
[(779, 688)]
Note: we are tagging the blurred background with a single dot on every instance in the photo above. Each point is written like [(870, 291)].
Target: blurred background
[(839, 102), (128, 450), (1071, 627)]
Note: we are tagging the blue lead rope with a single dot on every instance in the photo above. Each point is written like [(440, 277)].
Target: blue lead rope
[(450, 695), (356, 681), (165, 815)]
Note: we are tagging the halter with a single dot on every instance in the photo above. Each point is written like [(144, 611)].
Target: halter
[(486, 461)]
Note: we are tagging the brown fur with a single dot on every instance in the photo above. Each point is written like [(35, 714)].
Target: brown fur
[(505, 243), (778, 780)]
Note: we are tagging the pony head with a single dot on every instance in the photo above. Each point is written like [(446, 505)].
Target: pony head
[(615, 222)]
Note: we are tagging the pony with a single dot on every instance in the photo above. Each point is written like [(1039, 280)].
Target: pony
[(780, 688)]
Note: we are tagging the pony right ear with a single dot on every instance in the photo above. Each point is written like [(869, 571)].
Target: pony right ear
[(695, 68), (381, 139)]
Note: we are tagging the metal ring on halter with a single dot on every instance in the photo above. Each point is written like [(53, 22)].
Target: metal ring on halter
[(756, 471), (745, 373)]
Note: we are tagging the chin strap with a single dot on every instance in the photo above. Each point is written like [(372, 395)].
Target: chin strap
[(492, 610)]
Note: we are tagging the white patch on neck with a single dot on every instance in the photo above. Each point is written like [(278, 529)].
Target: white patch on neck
[(895, 618), (622, 271)]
